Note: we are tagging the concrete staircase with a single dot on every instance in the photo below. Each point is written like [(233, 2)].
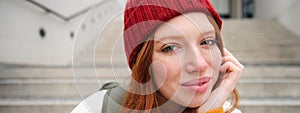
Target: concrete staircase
[(269, 84), (270, 53), (52, 89)]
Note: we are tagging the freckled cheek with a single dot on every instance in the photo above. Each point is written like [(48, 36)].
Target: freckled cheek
[(166, 72), (216, 63), (213, 56)]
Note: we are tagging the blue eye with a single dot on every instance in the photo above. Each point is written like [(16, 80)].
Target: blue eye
[(208, 42), (169, 48)]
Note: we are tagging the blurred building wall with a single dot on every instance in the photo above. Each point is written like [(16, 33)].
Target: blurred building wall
[(20, 40), (31, 35)]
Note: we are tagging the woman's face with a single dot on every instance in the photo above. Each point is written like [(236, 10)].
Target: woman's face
[(186, 59)]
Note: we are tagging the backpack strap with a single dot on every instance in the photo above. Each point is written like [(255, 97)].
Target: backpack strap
[(113, 97)]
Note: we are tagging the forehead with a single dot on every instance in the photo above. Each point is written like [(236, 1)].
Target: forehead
[(186, 24)]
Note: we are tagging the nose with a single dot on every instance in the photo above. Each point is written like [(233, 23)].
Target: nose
[(196, 60)]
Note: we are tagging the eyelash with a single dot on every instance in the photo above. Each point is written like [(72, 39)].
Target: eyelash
[(209, 42), (173, 47), (169, 48)]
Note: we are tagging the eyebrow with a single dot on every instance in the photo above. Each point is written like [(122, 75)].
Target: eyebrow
[(169, 37), (178, 37), (208, 33)]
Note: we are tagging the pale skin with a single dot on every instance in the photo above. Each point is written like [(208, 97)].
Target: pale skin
[(185, 50)]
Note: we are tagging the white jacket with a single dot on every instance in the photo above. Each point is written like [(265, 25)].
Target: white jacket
[(93, 104)]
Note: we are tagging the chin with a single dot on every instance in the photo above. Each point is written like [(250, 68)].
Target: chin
[(200, 99)]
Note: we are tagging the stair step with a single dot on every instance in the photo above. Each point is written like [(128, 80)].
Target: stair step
[(15, 72), (38, 101), (9, 105), (270, 102), (271, 71), (248, 87), (49, 88), (269, 87), (269, 105), (261, 42)]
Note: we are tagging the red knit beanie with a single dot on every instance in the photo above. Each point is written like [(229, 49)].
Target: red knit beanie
[(142, 17)]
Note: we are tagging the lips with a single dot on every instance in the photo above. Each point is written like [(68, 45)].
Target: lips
[(197, 85)]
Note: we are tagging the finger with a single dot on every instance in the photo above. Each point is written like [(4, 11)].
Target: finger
[(229, 67), (233, 60), (233, 72)]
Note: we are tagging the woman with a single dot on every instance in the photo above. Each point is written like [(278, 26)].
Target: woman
[(177, 57)]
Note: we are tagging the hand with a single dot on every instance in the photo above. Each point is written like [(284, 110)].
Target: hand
[(232, 69)]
